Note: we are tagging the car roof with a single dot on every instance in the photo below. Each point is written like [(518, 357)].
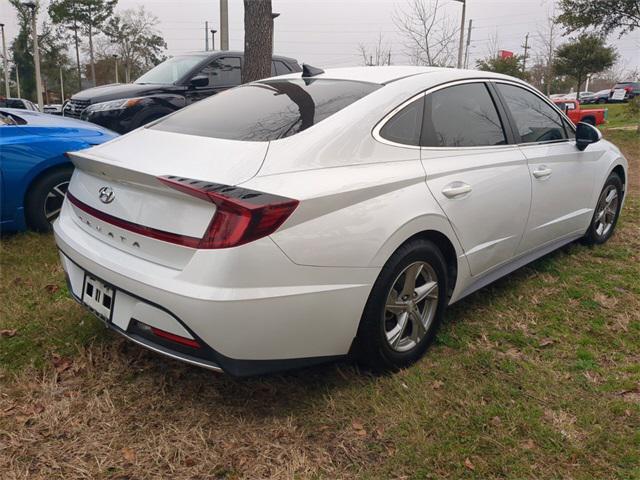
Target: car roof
[(388, 74), (217, 53)]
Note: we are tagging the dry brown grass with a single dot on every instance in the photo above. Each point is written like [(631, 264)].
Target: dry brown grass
[(536, 376)]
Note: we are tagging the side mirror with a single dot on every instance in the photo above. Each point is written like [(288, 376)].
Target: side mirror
[(586, 134), (199, 81)]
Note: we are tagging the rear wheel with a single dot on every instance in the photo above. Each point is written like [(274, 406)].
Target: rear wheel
[(602, 100), (44, 198), (405, 307), (606, 213)]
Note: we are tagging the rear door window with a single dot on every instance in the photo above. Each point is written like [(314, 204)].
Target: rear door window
[(267, 110), (461, 116)]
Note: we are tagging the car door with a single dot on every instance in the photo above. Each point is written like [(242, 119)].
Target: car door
[(562, 177), (222, 72), (477, 175)]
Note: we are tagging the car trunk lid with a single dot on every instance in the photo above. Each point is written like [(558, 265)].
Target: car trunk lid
[(117, 196)]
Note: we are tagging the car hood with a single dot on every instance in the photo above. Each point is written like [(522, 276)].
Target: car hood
[(115, 91)]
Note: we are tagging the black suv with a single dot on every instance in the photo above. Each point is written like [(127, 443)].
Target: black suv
[(175, 83)]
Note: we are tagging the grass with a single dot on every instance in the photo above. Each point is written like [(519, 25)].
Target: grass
[(535, 376), (619, 114)]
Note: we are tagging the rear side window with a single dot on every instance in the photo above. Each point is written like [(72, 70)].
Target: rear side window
[(535, 119), (405, 126), (461, 116), (267, 110)]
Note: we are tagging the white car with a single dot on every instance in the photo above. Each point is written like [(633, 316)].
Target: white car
[(300, 219)]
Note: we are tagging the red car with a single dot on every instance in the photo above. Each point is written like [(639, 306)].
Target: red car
[(593, 116)]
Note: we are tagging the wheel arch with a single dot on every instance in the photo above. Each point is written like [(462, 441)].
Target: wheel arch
[(43, 173), (436, 229), (619, 170), (448, 251)]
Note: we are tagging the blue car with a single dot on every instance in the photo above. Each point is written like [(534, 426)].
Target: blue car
[(34, 172)]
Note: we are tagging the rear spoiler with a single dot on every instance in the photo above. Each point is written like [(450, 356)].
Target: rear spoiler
[(103, 167)]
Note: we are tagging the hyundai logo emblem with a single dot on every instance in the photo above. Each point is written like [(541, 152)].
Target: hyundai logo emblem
[(106, 195)]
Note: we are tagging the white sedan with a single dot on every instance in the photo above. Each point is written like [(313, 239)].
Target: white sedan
[(304, 218)]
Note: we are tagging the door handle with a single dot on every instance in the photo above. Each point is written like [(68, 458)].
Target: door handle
[(456, 189), (542, 172)]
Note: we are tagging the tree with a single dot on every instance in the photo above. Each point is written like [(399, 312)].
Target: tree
[(507, 65), (604, 16), (587, 54), (88, 16), (258, 40), (548, 38), (135, 40), (380, 54), (53, 56), (429, 34)]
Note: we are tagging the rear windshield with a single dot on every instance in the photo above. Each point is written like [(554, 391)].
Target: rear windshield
[(267, 110)]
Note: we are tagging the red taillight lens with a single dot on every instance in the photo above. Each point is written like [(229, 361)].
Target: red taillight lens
[(242, 215), (175, 338)]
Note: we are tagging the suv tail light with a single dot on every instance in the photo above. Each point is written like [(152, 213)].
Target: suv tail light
[(242, 215)]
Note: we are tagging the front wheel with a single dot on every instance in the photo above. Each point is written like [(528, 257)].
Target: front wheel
[(404, 309), (606, 213)]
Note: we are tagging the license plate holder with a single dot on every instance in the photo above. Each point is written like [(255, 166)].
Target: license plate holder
[(98, 297)]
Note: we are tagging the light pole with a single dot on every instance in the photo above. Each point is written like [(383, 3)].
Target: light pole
[(213, 39), (115, 58), (36, 51), (61, 87), (5, 62), (462, 25), (17, 77)]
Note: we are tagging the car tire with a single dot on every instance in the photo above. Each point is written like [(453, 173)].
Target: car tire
[(602, 100), (44, 198), (390, 339), (605, 216)]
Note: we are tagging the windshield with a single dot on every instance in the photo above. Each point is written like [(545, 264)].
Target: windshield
[(267, 110), (171, 70)]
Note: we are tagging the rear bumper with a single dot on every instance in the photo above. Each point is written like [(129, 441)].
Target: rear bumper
[(277, 316)]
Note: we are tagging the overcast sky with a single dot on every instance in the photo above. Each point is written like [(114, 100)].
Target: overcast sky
[(327, 33)]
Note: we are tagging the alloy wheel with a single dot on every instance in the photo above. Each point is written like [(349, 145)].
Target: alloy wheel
[(606, 211), (411, 306), (53, 201)]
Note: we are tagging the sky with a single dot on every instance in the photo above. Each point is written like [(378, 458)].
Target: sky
[(327, 33)]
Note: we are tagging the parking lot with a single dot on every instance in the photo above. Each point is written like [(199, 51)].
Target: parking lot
[(536, 375)]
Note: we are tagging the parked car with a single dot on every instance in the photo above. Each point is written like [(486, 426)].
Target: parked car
[(170, 86), (599, 97), (20, 103), (53, 108), (592, 116), (631, 90), (34, 172), (299, 219), (570, 96)]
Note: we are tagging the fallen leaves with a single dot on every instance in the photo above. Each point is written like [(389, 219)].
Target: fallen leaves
[(358, 428), (51, 288), (545, 342), (128, 454), (469, 464), (61, 364), (6, 333)]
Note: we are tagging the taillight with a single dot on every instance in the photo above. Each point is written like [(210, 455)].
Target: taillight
[(242, 215), (172, 337)]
